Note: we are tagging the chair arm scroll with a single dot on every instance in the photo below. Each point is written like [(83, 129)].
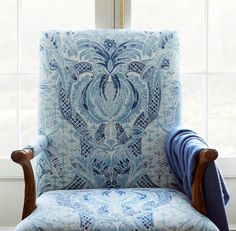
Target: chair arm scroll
[(23, 158), (204, 158)]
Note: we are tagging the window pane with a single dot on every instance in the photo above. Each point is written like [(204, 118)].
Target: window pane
[(8, 36), (29, 102), (222, 113), (192, 103), (186, 17), (38, 15), (222, 33), (8, 99)]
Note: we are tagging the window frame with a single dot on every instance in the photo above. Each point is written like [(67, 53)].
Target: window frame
[(112, 20), (10, 170), (226, 162)]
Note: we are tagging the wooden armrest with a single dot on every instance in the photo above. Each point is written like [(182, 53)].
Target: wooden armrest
[(204, 158), (23, 158)]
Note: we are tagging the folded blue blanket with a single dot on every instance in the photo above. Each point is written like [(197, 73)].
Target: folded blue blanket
[(182, 146)]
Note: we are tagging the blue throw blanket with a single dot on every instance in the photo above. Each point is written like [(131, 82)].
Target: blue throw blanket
[(182, 146)]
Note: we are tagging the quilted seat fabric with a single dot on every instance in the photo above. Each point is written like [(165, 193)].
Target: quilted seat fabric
[(115, 210), (107, 100)]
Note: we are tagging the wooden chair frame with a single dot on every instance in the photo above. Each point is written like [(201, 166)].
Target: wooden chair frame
[(24, 156)]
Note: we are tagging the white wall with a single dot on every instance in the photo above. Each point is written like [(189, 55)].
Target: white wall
[(11, 200)]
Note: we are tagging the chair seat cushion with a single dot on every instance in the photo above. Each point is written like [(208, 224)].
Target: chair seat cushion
[(115, 210)]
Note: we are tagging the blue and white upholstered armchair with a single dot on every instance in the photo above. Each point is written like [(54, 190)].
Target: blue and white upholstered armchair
[(107, 101)]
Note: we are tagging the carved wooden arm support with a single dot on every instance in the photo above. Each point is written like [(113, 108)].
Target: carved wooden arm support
[(205, 157), (23, 158)]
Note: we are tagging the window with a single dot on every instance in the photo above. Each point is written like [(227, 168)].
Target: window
[(20, 24), (207, 30)]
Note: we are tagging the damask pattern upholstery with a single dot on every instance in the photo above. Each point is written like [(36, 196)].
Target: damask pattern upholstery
[(107, 100), (115, 210)]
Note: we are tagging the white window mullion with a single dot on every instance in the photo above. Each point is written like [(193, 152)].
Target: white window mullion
[(127, 14), (117, 14), (206, 73), (18, 127), (105, 14)]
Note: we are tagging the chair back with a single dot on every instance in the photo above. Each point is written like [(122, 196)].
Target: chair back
[(107, 99)]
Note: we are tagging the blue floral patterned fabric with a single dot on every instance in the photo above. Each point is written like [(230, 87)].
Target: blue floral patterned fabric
[(115, 210), (107, 100)]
